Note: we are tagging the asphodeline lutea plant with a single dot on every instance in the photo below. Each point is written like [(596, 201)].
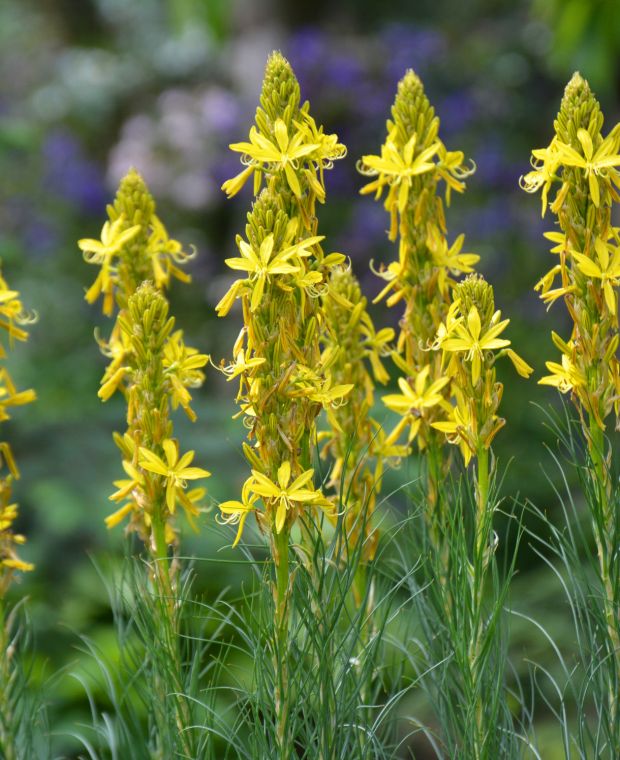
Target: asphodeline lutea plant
[(353, 439), (13, 319), (284, 381), (411, 169), (150, 364), (583, 164), (470, 342)]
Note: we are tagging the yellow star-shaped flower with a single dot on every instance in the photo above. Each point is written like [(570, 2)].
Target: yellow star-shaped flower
[(175, 470), (284, 492)]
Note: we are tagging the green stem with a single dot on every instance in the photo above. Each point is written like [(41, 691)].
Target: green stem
[(162, 562), (7, 748), (282, 594), (604, 531), (482, 525), (165, 591)]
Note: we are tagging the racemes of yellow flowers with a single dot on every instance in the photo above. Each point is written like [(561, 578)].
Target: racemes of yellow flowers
[(150, 365), (411, 170), (470, 344), (284, 378), (13, 318), (583, 164)]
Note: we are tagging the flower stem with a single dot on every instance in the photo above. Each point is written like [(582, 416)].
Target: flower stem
[(165, 592), (481, 558), (7, 749), (604, 531), (280, 550)]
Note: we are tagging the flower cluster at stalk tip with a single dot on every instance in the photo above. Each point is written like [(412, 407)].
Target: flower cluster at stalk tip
[(449, 394), (470, 343), (150, 365), (284, 377), (583, 164), (13, 317), (412, 165)]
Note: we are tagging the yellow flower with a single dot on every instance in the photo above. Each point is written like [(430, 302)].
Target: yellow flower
[(10, 396), (8, 540), (414, 400), (284, 493), (101, 252), (545, 162), (460, 429), (470, 339), (450, 167), (165, 253), (565, 377), (242, 364), (262, 264), (237, 511), (595, 164), (450, 259), (397, 168), (607, 270), (175, 471), (182, 366), (232, 186), (283, 152)]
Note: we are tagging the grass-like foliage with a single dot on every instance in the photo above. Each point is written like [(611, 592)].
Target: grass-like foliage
[(336, 672), (582, 689), (23, 717), (154, 685), (458, 642)]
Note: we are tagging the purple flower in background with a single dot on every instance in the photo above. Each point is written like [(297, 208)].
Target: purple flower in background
[(69, 174), (365, 232), (409, 47), (40, 236), (493, 168), (485, 221), (344, 72), (222, 111), (307, 50), (456, 112)]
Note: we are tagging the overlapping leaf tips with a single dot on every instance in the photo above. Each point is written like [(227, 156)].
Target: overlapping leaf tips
[(13, 318), (283, 380), (150, 364)]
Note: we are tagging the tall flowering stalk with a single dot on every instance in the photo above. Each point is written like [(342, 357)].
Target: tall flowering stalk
[(469, 344), (411, 169), (13, 317), (353, 440), (284, 381), (153, 368), (149, 364), (583, 164)]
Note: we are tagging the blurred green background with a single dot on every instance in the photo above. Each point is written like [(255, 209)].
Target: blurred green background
[(90, 88)]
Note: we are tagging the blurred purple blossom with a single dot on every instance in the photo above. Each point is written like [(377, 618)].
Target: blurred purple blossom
[(365, 232), (411, 47), (457, 112), (70, 175), (494, 169)]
